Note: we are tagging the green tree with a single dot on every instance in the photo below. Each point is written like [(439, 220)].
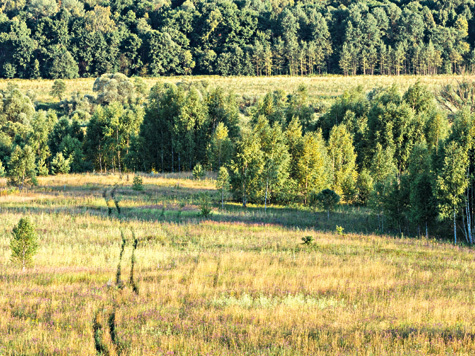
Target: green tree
[(220, 148), (275, 155), (58, 89), (313, 167), (382, 165), (327, 199), (423, 205), (222, 183), (342, 157), (198, 172), (60, 165), (24, 243), (247, 166), (114, 87), (452, 182), (21, 167), (64, 66), (364, 187)]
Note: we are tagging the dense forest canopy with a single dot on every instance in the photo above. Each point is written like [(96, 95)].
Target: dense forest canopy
[(87, 38)]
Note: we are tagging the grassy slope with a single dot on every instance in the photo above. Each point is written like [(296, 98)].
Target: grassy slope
[(321, 89), (239, 282)]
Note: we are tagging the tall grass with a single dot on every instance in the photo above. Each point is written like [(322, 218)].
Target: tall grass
[(238, 283)]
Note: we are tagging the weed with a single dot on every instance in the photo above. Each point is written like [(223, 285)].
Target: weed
[(307, 240)]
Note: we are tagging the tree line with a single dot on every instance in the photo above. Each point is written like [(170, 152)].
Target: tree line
[(87, 38), (408, 156)]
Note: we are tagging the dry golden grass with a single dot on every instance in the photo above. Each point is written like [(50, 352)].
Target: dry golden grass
[(321, 88), (236, 283)]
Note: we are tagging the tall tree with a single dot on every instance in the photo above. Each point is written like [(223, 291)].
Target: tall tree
[(452, 182)]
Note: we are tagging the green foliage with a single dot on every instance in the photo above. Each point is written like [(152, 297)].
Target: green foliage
[(114, 88), (199, 172), (339, 230), (71, 38), (64, 66), (22, 167), (223, 184), (452, 181), (307, 240), (342, 157), (327, 199), (220, 148), (137, 184), (205, 205), (60, 165), (24, 243), (313, 166), (2, 170), (58, 89), (364, 187)]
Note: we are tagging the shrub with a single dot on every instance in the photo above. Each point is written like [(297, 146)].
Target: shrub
[(339, 230), (60, 165), (307, 240), (137, 184), (24, 243), (205, 205), (198, 172)]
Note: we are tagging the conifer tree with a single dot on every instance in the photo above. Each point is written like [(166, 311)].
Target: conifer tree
[(23, 243)]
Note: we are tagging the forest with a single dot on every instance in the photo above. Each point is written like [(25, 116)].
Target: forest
[(87, 38), (406, 155)]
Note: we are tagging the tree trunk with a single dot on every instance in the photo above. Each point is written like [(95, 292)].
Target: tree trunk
[(118, 151), (455, 229), (265, 200)]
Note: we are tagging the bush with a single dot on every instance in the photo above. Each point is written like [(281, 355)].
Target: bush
[(24, 243), (205, 205), (198, 172), (137, 184), (307, 240), (339, 230), (60, 165)]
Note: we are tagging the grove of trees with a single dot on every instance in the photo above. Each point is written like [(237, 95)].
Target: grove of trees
[(401, 154), (71, 38)]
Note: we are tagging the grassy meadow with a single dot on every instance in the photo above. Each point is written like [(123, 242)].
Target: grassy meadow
[(322, 89), (239, 282)]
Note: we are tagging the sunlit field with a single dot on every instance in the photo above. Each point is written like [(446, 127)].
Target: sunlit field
[(239, 282), (322, 89)]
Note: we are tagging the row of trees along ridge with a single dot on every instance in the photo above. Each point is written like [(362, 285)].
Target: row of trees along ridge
[(71, 38)]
